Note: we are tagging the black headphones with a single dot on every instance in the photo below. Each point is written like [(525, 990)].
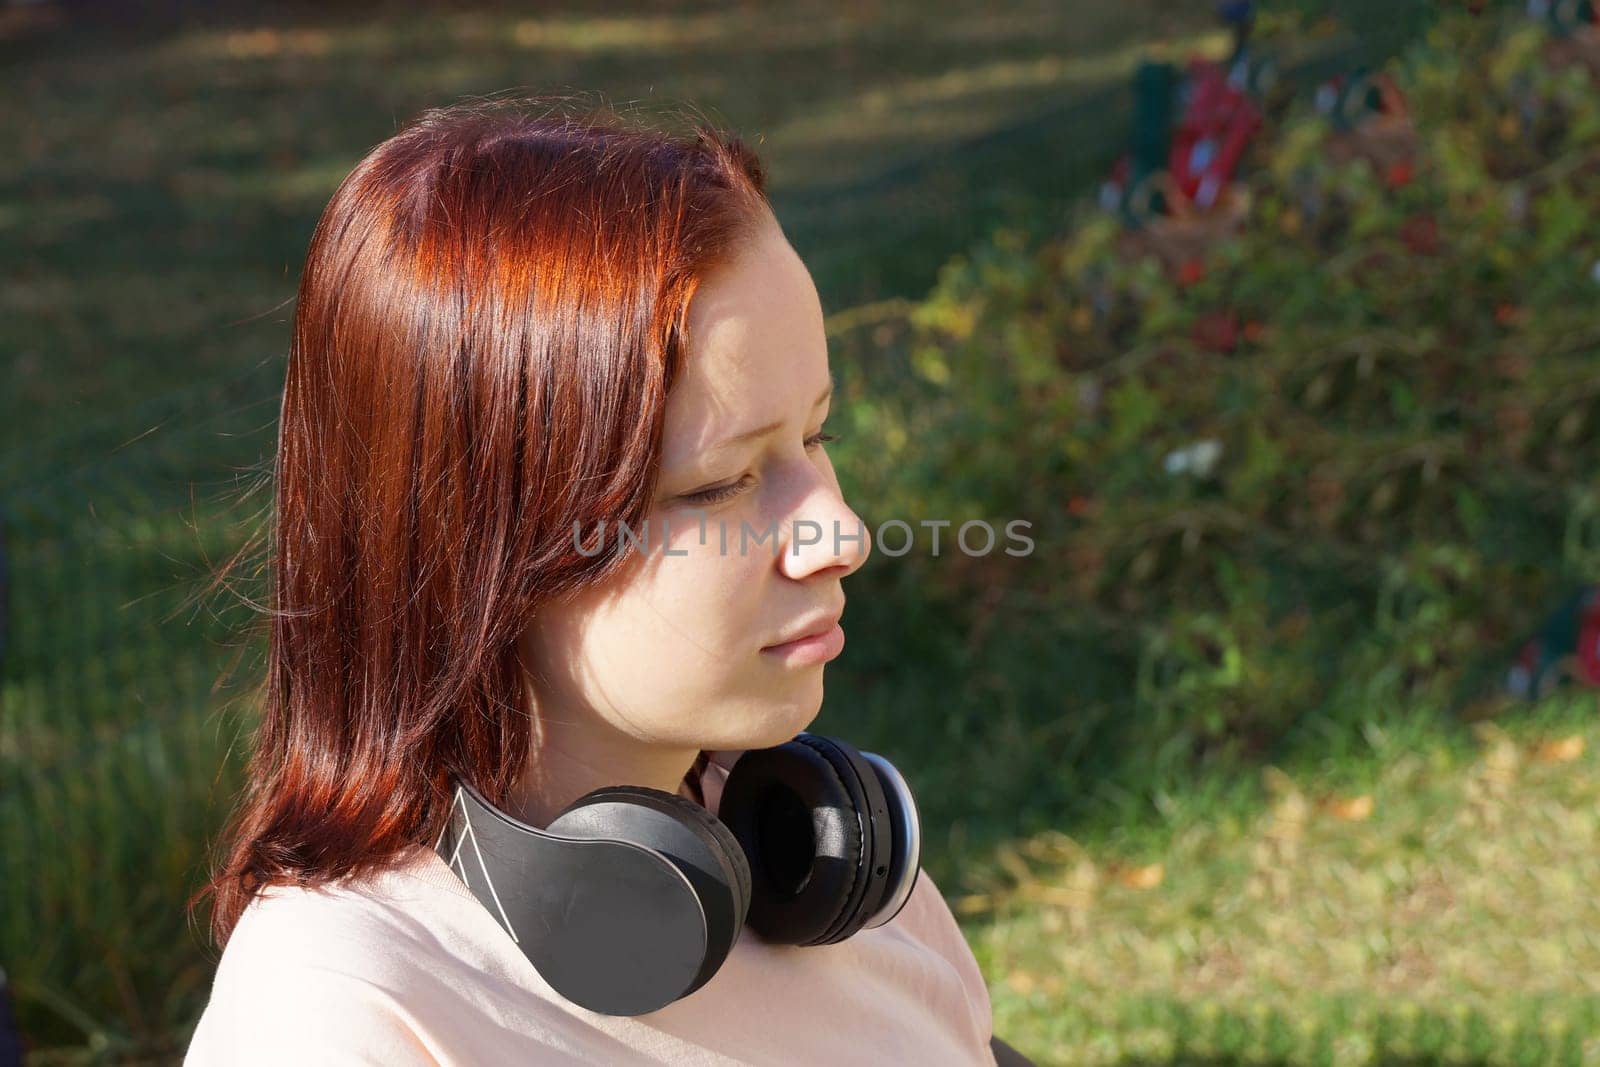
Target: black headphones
[(633, 897)]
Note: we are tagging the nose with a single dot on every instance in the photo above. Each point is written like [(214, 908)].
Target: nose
[(824, 534)]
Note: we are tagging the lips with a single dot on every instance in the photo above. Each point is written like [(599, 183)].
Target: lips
[(815, 626)]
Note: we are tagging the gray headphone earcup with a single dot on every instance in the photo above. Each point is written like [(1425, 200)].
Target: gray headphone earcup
[(731, 850), (689, 836), (739, 861), (612, 925)]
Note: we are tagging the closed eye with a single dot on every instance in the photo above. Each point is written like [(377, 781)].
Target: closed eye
[(718, 493)]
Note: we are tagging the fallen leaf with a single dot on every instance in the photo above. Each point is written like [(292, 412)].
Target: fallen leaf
[(1147, 877), (1561, 750), (1351, 809)]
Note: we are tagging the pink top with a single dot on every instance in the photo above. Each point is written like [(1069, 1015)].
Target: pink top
[(407, 968)]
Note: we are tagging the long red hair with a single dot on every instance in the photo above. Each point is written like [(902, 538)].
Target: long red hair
[(492, 312)]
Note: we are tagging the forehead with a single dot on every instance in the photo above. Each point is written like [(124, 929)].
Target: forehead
[(756, 346)]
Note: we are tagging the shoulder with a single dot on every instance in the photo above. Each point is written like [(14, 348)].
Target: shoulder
[(401, 968), (928, 918), (330, 960), (297, 929)]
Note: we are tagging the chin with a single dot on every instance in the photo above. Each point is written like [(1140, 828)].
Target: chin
[(810, 711), (787, 720)]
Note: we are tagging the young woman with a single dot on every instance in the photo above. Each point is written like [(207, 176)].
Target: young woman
[(514, 332)]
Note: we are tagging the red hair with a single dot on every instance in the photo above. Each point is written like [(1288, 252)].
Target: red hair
[(492, 312)]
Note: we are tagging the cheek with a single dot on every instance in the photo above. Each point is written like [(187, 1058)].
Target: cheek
[(693, 611), (710, 585), (724, 549), (674, 652), (679, 621)]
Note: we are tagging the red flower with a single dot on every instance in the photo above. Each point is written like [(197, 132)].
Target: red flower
[(1400, 173), (1191, 272)]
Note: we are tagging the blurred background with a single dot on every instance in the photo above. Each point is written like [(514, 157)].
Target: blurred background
[(1278, 322)]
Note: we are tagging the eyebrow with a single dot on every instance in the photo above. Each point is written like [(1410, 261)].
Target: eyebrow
[(762, 431)]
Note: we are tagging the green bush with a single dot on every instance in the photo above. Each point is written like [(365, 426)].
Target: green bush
[(1342, 467)]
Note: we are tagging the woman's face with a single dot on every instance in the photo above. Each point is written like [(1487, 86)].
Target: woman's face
[(672, 651)]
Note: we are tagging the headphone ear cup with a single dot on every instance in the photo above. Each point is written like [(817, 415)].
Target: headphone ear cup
[(610, 924), (788, 810), (905, 854), (738, 862), (816, 837), (686, 834), (872, 807), (723, 845)]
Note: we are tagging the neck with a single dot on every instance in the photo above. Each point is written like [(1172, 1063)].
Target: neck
[(581, 753)]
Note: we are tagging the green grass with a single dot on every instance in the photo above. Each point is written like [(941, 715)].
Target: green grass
[(1451, 892)]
